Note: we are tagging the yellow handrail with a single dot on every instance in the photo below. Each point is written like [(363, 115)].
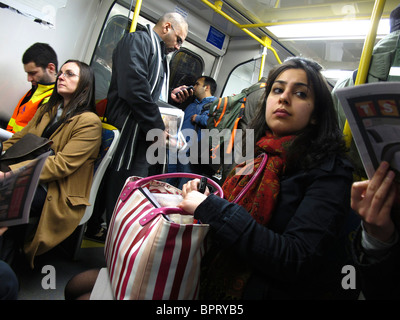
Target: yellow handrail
[(135, 16), (266, 42), (365, 59), (263, 57)]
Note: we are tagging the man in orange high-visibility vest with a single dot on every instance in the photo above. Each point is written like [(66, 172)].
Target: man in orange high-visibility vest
[(40, 64)]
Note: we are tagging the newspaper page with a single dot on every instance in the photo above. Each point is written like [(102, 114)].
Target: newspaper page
[(5, 135), (173, 119), (373, 114), (17, 189)]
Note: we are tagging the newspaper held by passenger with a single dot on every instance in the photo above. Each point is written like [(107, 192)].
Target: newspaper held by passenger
[(373, 113), (5, 135), (17, 189), (173, 119)]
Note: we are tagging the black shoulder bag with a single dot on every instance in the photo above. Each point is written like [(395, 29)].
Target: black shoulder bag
[(28, 147)]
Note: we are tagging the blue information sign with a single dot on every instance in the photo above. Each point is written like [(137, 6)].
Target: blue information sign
[(215, 37)]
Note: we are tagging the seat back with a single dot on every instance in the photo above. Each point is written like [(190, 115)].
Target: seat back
[(109, 141)]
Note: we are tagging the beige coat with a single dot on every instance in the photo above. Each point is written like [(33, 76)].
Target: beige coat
[(68, 175)]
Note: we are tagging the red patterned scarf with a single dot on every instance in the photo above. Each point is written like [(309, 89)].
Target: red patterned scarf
[(223, 275), (260, 200)]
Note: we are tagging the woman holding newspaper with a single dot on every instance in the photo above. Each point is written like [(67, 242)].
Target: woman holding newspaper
[(69, 119), (279, 242)]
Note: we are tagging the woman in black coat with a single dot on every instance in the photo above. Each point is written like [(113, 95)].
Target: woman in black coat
[(279, 241)]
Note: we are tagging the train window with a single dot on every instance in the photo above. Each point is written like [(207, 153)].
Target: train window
[(185, 66), (242, 76), (101, 63)]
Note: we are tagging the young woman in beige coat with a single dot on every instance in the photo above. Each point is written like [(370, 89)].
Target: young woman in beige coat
[(62, 196)]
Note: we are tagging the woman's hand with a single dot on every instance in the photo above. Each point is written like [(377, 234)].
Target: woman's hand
[(373, 200), (191, 197)]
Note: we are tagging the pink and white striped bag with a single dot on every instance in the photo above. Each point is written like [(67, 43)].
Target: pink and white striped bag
[(148, 255)]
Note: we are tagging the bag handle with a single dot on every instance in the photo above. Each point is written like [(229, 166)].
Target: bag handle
[(134, 185), (141, 182), (253, 178)]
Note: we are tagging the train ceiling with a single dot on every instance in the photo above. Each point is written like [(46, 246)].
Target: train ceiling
[(261, 17)]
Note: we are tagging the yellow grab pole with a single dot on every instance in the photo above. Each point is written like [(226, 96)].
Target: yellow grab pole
[(365, 60), (264, 56), (274, 52), (135, 16), (366, 54)]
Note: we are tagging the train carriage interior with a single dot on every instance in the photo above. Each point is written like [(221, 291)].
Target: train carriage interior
[(235, 41)]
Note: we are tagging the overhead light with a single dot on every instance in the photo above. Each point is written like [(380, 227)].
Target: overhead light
[(336, 74), (348, 29)]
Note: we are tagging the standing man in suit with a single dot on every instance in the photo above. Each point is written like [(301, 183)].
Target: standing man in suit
[(139, 80)]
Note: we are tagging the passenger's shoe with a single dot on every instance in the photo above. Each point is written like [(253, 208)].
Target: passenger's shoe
[(99, 236)]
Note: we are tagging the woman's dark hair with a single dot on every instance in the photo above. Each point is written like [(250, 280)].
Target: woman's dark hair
[(320, 138), (82, 100)]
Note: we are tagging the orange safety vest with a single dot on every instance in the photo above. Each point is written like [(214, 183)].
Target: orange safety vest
[(28, 105)]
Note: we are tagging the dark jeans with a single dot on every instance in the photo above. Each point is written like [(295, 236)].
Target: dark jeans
[(8, 282)]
